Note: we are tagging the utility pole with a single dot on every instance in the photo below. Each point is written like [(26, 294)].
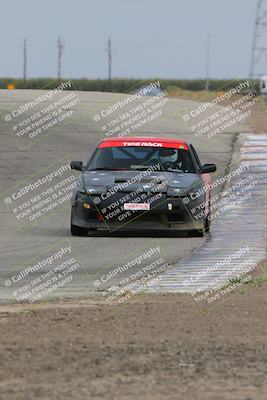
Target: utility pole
[(207, 83), (60, 48), (259, 44), (109, 50), (24, 62)]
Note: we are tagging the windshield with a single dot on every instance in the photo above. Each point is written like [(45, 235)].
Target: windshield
[(138, 158)]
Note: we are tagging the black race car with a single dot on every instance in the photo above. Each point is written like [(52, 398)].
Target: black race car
[(142, 183)]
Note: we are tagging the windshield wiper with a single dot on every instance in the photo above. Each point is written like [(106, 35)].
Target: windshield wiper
[(101, 169), (175, 170), (145, 167)]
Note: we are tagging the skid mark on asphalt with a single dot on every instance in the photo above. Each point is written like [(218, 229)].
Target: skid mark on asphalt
[(242, 227)]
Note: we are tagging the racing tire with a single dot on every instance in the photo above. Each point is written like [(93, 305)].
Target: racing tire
[(196, 233), (78, 231), (207, 223)]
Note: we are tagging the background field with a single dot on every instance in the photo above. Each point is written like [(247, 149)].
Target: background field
[(123, 85)]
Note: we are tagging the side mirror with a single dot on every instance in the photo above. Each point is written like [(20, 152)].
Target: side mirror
[(208, 168), (78, 165)]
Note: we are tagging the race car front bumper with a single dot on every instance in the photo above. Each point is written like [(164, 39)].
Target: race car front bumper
[(165, 213)]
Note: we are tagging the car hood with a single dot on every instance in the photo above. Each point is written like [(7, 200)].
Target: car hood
[(127, 181)]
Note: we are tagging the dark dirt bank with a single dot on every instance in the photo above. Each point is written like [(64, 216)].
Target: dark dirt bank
[(153, 347)]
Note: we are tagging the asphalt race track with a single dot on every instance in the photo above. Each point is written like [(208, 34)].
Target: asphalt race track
[(74, 139)]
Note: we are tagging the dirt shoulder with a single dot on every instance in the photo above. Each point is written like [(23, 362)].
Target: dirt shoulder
[(153, 347)]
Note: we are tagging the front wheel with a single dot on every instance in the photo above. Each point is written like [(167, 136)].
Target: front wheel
[(207, 223), (78, 231), (196, 233)]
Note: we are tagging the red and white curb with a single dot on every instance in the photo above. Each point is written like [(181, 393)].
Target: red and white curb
[(237, 239)]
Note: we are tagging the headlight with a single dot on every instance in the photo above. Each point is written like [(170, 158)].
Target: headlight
[(96, 189), (91, 190)]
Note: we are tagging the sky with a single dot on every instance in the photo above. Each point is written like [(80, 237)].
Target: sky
[(151, 38)]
